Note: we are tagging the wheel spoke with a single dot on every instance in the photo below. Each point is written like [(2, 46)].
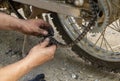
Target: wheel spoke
[(105, 43), (117, 25), (119, 21), (108, 44), (114, 25), (114, 29), (86, 38), (102, 42), (97, 40), (116, 5), (100, 37)]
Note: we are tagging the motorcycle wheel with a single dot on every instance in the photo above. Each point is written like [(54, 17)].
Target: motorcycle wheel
[(106, 53)]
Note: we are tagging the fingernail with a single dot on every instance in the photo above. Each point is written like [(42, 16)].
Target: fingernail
[(47, 39), (45, 32)]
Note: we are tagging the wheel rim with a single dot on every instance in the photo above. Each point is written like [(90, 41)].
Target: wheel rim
[(103, 45), (87, 44)]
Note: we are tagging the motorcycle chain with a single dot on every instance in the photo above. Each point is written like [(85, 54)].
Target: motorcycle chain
[(82, 35), (50, 35)]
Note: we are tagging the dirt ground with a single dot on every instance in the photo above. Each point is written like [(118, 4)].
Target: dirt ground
[(66, 66)]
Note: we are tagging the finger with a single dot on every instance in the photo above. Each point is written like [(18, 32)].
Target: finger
[(37, 32), (52, 48), (42, 31), (45, 42), (51, 51), (44, 24), (47, 25), (41, 23)]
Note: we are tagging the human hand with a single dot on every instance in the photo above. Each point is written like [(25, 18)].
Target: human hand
[(40, 54), (34, 27)]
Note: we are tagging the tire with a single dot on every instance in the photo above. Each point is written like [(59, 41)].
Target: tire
[(98, 62)]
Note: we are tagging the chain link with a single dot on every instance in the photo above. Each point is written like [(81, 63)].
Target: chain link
[(81, 36)]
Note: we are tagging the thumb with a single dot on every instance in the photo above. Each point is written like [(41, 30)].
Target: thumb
[(52, 49)]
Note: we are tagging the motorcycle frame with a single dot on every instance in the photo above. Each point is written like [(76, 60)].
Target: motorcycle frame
[(66, 9), (53, 6)]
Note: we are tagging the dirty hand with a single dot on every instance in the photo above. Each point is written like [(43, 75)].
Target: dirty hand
[(34, 27), (40, 54)]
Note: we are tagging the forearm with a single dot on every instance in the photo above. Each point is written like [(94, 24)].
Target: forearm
[(14, 71), (38, 55), (8, 22)]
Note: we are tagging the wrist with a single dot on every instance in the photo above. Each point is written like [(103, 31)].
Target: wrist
[(33, 61), (28, 63), (18, 25)]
